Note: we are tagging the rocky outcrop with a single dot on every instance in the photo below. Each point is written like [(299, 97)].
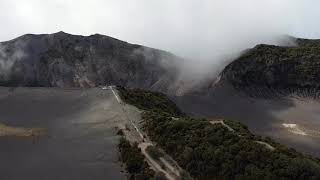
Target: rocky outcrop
[(65, 60)]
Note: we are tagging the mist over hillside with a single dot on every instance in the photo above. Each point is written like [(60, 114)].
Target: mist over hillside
[(277, 70), (161, 90), (65, 60), (209, 32)]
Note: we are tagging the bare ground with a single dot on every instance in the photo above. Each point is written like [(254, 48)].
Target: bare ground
[(80, 141), (20, 132)]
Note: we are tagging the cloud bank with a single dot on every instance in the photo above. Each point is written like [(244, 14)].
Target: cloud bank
[(206, 30)]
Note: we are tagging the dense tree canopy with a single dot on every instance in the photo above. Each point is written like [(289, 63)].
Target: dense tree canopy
[(147, 100), (212, 151)]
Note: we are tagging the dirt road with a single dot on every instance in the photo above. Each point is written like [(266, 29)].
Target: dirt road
[(171, 172)]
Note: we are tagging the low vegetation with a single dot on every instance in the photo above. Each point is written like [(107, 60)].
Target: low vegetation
[(134, 160), (280, 68), (210, 151), (151, 101), (154, 152), (241, 129)]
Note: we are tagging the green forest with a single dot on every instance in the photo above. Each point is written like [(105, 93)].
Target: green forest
[(151, 101), (277, 67), (211, 151)]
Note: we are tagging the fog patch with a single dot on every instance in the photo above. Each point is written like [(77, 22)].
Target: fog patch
[(9, 56), (294, 128)]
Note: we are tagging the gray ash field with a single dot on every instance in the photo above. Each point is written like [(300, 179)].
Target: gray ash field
[(79, 143)]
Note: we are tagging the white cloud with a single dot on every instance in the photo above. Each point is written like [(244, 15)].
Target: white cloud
[(197, 29)]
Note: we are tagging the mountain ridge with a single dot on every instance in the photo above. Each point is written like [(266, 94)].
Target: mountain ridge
[(277, 70), (65, 60)]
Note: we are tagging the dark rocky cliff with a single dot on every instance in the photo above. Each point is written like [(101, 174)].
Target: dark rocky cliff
[(65, 60)]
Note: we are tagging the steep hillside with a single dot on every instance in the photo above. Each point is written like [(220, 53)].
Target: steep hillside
[(65, 60), (266, 70), (273, 90)]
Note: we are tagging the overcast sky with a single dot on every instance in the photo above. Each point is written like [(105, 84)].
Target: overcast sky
[(202, 29)]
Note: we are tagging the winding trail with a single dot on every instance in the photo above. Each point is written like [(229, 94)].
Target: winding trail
[(153, 163), (124, 111), (267, 145), (223, 124), (171, 172)]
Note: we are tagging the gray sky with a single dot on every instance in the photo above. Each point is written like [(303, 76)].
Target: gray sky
[(197, 29)]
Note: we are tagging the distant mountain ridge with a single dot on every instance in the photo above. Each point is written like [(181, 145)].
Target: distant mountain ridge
[(263, 72), (65, 60)]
